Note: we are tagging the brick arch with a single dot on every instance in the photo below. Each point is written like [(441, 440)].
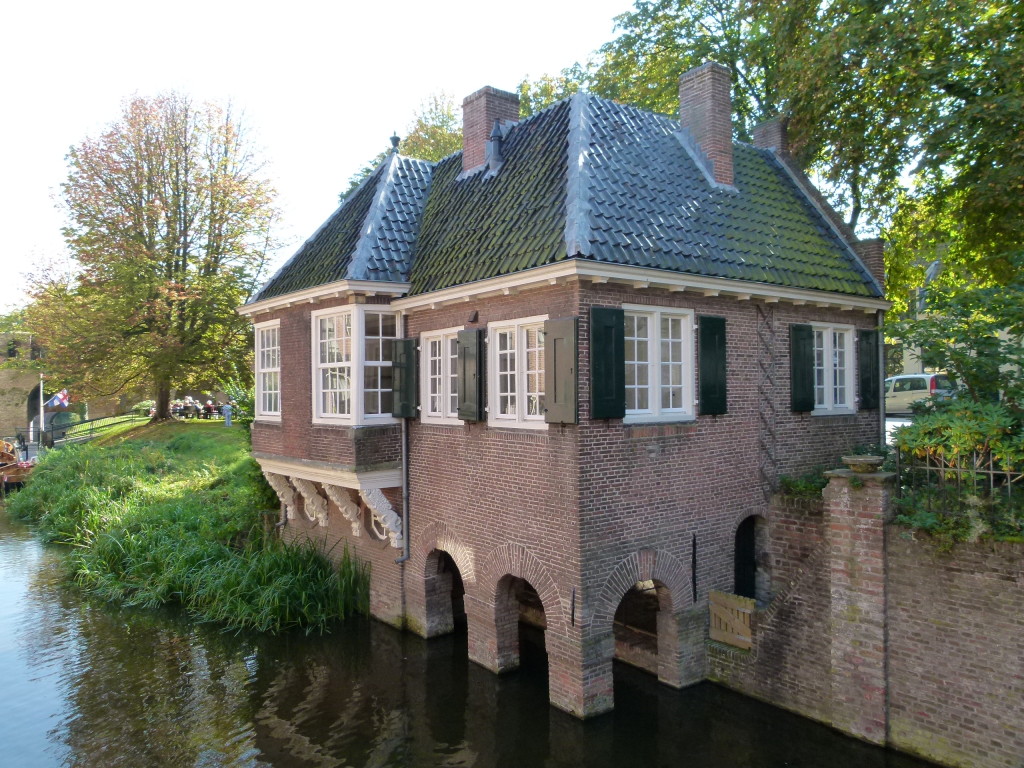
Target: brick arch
[(438, 535), (762, 510), (516, 560), (644, 565)]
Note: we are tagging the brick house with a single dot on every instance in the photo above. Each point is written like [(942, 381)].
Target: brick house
[(546, 385)]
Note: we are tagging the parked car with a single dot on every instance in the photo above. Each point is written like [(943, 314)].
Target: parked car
[(904, 390)]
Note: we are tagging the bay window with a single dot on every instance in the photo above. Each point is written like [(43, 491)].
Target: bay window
[(352, 364)]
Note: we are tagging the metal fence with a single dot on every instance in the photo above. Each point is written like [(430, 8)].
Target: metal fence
[(964, 480), (56, 435)]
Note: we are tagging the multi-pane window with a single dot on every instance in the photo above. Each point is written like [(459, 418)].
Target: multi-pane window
[(379, 333), (440, 357), (517, 373), (352, 363), (833, 383), (268, 370), (334, 364), (659, 364)]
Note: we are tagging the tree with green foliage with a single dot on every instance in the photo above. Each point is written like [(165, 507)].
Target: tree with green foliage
[(977, 333), (434, 133), (535, 95), (170, 223)]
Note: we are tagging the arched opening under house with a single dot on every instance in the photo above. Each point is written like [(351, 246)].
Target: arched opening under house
[(445, 595), (750, 560), (521, 624), (641, 620)]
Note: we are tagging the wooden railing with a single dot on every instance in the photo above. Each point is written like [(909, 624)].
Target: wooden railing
[(730, 619)]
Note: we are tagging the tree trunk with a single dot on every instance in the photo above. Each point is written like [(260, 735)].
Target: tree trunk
[(163, 401)]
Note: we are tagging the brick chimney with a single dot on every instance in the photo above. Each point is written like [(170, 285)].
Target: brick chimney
[(705, 114), (772, 134), (479, 111), (872, 252)]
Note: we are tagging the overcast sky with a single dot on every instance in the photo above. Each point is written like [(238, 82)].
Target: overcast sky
[(322, 85)]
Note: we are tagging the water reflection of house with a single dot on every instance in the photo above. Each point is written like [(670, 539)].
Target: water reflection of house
[(546, 385)]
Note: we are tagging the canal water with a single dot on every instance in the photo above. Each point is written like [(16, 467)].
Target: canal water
[(86, 684)]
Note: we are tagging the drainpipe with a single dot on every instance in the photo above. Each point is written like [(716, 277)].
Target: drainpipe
[(405, 474), (880, 319), (405, 490)]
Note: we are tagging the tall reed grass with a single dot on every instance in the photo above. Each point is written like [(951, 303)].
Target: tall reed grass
[(179, 513)]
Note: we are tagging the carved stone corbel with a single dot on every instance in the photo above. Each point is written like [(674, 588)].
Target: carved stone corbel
[(349, 509), (284, 492), (315, 506), (382, 512)]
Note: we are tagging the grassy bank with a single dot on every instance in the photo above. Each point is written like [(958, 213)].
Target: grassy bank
[(176, 513)]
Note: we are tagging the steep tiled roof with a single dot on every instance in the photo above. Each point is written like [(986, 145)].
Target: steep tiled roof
[(482, 226), (586, 178), (369, 237), (647, 204)]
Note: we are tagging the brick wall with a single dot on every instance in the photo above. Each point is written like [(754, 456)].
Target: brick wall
[(386, 599), (880, 633), (789, 664), (956, 641)]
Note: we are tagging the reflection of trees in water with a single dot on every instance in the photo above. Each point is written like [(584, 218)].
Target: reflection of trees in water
[(145, 688), (148, 689)]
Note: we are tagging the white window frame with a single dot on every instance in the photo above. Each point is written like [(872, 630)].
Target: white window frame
[(357, 313), (655, 411), (448, 377), (827, 359), (262, 369), (520, 420)]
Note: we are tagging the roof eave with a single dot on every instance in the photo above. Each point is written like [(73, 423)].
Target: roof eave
[(319, 293), (640, 278)]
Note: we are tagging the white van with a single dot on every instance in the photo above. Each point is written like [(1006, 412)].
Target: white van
[(902, 391)]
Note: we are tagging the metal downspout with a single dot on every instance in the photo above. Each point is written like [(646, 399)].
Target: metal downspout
[(405, 478), (405, 490), (880, 317)]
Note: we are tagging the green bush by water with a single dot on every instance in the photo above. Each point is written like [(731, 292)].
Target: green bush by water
[(177, 513)]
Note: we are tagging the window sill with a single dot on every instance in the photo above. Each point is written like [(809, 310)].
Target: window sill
[(441, 421), (512, 424), (834, 412), (647, 418), (367, 421), (267, 419)]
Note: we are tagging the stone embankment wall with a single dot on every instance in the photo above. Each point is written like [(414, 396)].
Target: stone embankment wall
[(883, 635)]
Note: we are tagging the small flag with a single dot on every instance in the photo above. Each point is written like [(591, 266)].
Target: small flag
[(60, 399)]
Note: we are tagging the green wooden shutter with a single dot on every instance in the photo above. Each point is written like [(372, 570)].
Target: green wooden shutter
[(801, 367), (607, 363), (405, 381), (560, 370), (711, 365), (870, 379), (471, 361)]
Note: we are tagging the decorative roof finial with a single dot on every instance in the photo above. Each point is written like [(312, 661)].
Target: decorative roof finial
[(394, 143)]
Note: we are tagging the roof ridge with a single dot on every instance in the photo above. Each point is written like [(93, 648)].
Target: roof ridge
[(351, 196), (577, 191), (362, 253)]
